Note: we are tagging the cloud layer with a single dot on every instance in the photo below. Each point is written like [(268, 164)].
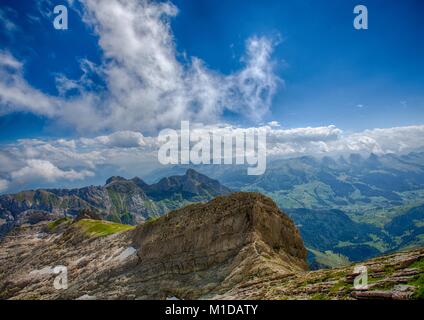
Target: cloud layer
[(57, 162)]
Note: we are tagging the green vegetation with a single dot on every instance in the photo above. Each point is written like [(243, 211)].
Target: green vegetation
[(341, 284), (119, 208), (151, 220), (329, 258), (24, 195), (54, 224), (100, 228), (419, 282), (319, 296), (122, 202), (173, 204), (388, 270)]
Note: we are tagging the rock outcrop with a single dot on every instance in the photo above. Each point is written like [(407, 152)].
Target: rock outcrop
[(200, 251), (218, 244)]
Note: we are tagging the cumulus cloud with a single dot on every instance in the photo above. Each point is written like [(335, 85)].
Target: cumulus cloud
[(34, 162), (36, 170), (308, 134), (146, 87), (332, 140), (273, 124), (16, 94), (120, 139), (389, 140)]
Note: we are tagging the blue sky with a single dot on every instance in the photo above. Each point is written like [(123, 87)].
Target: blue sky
[(140, 66), (331, 67), (333, 73)]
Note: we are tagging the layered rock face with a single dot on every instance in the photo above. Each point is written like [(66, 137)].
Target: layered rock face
[(200, 251), (219, 244)]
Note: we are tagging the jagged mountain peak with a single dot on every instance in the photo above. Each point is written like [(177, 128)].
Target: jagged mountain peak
[(191, 173), (87, 214), (115, 179), (190, 185), (139, 182), (120, 200)]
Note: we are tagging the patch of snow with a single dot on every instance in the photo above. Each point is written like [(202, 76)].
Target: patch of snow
[(44, 271), (86, 297), (126, 253)]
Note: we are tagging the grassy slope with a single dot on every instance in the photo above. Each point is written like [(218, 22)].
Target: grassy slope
[(100, 228)]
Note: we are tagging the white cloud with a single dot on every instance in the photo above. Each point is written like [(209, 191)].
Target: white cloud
[(146, 87), (274, 124), (388, 140), (36, 170), (120, 139), (332, 140), (146, 80), (16, 94), (7, 60), (130, 153), (5, 21), (308, 134), (4, 184)]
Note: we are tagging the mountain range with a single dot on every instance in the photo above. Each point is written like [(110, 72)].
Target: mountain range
[(127, 201)]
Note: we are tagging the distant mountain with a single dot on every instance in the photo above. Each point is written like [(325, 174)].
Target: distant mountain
[(119, 200), (333, 239), (408, 228), (192, 186), (354, 183), (348, 208)]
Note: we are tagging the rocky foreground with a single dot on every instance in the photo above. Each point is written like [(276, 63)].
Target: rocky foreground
[(239, 246)]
